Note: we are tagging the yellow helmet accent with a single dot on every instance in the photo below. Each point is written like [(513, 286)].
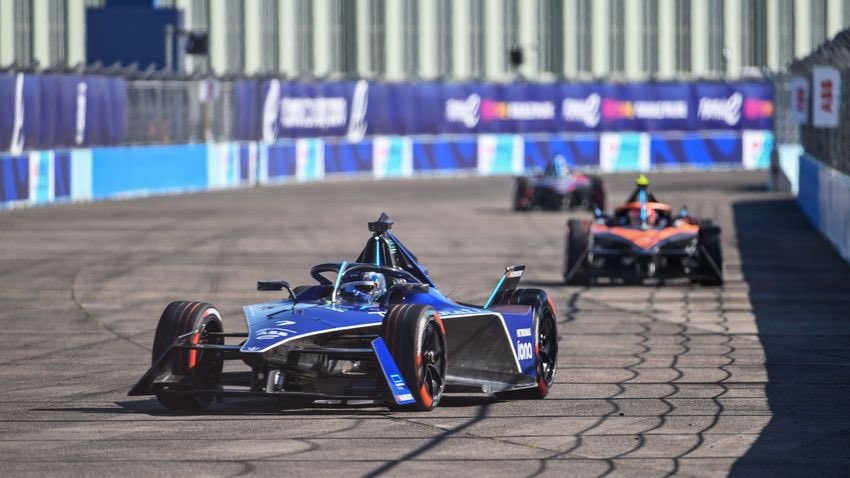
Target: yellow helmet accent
[(642, 181)]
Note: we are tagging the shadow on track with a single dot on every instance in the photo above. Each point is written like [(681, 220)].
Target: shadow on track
[(800, 294), (249, 407)]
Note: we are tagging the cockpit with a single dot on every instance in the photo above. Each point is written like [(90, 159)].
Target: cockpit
[(653, 215), (557, 167), (383, 271)]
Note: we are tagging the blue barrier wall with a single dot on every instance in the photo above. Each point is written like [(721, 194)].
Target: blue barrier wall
[(98, 173), (153, 169), (809, 193), (824, 197)]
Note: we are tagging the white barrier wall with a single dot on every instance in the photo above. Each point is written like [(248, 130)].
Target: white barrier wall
[(835, 209)]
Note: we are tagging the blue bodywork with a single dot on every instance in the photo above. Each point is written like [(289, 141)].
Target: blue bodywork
[(319, 343), (272, 324)]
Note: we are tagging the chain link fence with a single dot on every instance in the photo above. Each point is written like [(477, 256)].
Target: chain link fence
[(786, 128), (183, 111), (829, 145)]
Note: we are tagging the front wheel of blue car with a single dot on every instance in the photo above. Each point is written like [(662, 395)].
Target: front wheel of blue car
[(416, 338), (196, 369)]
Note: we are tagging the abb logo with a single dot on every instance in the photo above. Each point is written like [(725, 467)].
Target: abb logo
[(826, 95)]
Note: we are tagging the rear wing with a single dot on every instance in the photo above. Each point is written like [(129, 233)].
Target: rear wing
[(510, 280)]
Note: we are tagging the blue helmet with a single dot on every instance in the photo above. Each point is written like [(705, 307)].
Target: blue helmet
[(557, 167), (365, 287)]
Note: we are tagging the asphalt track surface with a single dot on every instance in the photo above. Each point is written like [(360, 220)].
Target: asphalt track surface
[(749, 379)]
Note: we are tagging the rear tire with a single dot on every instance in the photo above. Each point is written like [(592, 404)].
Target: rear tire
[(576, 252), (597, 194), (710, 254), (416, 338), (200, 369), (523, 194), (546, 340)]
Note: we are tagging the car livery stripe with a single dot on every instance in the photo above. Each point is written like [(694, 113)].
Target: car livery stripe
[(310, 334), (395, 382)]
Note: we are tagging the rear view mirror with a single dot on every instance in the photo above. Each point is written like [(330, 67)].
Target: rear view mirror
[(272, 285), (275, 285), (597, 213)]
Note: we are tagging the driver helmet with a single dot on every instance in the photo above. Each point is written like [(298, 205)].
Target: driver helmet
[(368, 286), (634, 217), (557, 167)]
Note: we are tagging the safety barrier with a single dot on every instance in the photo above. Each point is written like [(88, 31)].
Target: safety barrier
[(824, 197), (812, 132), (99, 173)]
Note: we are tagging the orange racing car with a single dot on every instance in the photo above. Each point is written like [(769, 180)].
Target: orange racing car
[(643, 240)]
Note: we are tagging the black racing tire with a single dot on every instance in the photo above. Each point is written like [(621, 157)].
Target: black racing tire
[(546, 340), (576, 252), (597, 194), (710, 254), (416, 338), (523, 194), (199, 369)]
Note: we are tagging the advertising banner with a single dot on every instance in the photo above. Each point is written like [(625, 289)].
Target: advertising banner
[(826, 96), (357, 109), (50, 111), (293, 109), (800, 100)]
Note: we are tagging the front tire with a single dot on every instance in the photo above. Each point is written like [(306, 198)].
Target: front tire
[(546, 344), (576, 253), (597, 194), (523, 194), (416, 338), (199, 369)]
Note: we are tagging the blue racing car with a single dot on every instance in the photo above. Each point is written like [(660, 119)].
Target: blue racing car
[(374, 329)]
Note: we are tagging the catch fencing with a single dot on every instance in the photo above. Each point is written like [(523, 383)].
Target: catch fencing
[(812, 130), (806, 94)]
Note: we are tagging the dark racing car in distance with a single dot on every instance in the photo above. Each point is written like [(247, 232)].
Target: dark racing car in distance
[(558, 188), (375, 329), (643, 240)]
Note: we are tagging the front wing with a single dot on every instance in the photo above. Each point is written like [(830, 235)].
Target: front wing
[(487, 352)]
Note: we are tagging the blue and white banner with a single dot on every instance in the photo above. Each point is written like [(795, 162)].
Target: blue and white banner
[(98, 173), (624, 152), (293, 109), (501, 154), (50, 111), (392, 157)]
